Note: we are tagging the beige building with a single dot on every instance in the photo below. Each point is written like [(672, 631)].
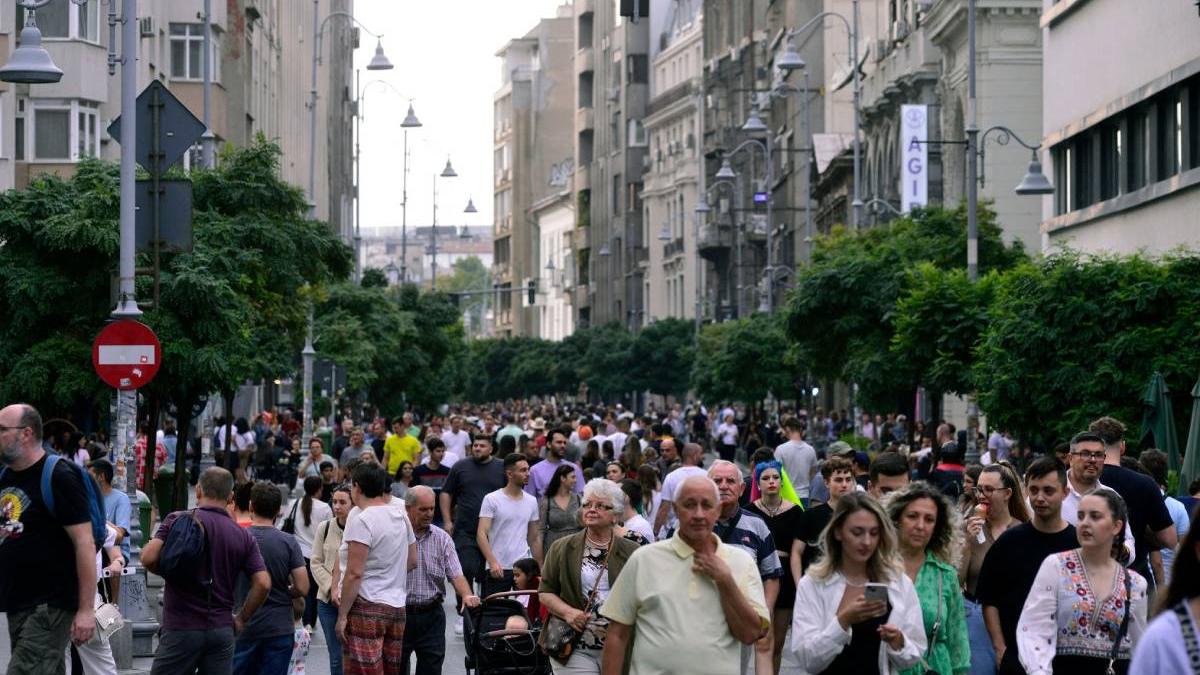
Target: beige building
[(261, 57), (555, 218), (672, 181), (533, 118), (1121, 113)]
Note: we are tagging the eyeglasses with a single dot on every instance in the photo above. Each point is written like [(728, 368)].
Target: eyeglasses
[(6, 428), (596, 505), (988, 490), (1090, 456)]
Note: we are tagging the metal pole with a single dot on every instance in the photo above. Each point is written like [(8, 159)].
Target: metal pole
[(739, 221), (127, 303), (972, 130), (207, 140), (404, 217), (808, 223), (770, 269), (701, 179), (357, 180), (433, 246), (332, 392), (857, 107), (312, 114), (308, 353)]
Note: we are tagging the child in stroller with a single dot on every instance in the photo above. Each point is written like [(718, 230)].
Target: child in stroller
[(499, 638)]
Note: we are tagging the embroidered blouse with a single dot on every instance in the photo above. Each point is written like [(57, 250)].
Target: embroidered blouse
[(1062, 615)]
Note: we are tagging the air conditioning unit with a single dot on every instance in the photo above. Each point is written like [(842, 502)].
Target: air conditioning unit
[(899, 30), (880, 49), (146, 26), (614, 94)]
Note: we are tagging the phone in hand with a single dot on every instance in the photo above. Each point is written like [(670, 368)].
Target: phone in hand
[(875, 592)]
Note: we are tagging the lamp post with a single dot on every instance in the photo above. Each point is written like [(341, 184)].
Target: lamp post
[(379, 62), (360, 99), (703, 207), (755, 125), (790, 60), (410, 122), (447, 172)]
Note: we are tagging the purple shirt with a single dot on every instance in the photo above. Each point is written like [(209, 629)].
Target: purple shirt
[(234, 552), (541, 473)]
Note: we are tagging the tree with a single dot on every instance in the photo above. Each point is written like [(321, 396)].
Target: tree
[(606, 364), (841, 313), (470, 275), (661, 357), (373, 277), (743, 360), (1072, 338)]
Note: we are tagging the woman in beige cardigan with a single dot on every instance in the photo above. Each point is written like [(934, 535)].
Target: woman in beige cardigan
[(581, 562), (326, 542)]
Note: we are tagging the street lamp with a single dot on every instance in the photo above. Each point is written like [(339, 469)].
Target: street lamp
[(447, 172), (360, 115), (703, 207), (31, 63), (410, 122)]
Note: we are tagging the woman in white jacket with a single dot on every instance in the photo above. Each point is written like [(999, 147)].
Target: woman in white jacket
[(835, 629)]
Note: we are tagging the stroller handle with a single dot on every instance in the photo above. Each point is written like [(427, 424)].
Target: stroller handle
[(508, 632), (508, 594)]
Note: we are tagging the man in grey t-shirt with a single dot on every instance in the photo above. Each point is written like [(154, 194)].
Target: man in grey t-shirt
[(265, 644), (798, 458)]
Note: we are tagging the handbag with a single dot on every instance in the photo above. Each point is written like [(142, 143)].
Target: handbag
[(289, 523), (1116, 648), (108, 616), (558, 637)]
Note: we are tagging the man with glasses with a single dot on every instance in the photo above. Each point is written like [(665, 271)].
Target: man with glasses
[(47, 558), (1083, 476)]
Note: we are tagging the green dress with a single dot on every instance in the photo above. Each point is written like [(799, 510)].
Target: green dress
[(951, 653)]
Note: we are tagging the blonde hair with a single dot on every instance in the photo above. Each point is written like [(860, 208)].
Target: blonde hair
[(884, 563)]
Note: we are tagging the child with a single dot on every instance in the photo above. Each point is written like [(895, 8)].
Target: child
[(300, 640), (527, 576)]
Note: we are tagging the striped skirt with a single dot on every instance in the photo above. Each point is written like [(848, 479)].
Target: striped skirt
[(374, 639)]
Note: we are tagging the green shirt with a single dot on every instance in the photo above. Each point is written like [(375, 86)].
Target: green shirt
[(951, 653)]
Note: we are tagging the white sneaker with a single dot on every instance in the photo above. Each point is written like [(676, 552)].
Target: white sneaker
[(458, 626)]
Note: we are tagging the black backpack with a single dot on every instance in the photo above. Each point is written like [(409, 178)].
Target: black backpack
[(184, 558)]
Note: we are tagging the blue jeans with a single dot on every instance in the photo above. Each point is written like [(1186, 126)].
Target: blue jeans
[(265, 656), (328, 614), (983, 656)]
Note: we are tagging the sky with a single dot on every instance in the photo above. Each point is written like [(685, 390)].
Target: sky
[(444, 53)]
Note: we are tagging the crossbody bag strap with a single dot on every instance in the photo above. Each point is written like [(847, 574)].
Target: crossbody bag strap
[(937, 623), (1116, 648), (587, 602), (1190, 641)]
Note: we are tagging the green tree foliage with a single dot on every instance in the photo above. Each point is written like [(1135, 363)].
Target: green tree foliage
[(606, 365), (743, 360), (1073, 338), (373, 277), (469, 274), (661, 357), (841, 314)]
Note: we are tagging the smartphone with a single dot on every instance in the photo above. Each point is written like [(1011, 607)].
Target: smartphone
[(874, 592)]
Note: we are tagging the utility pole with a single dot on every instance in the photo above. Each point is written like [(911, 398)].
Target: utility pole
[(208, 140), (972, 132)]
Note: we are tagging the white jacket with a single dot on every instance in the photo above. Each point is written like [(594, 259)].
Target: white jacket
[(817, 637)]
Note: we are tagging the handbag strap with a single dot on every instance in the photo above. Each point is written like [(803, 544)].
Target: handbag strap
[(1190, 642), (294, 505), (1116, 648), (599, 575), (937, 623)]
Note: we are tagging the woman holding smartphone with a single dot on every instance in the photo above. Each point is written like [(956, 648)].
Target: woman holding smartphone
[(856, 611)]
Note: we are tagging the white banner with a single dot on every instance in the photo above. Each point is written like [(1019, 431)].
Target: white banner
[(914, 156)]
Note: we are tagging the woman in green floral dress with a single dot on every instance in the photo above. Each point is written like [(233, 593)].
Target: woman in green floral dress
[(928, 535)]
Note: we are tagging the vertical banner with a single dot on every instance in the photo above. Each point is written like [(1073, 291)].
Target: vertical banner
[(914, 155)]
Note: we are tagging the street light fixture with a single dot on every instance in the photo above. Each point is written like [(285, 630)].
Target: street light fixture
[(790, 59), (448, 172), (410, 120), (379, 61), (604, 252), (702, 205), (31, 63), (1035, 182), (470, 206), (754, 125), (726, 171)]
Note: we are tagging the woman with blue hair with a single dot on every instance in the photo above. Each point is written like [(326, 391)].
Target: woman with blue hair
[(782, 517)]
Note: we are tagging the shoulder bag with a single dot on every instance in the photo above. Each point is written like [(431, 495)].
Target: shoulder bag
[(289, 523), (1116, 648), (1190, 642), (558, 637)]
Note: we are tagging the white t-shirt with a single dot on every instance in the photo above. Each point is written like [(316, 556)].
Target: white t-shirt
[(618, 440), (456, 443), (670, 486), (798, 459), (639, 524), (728, 433), (306, 533), (509, 535), (243, 442), (387, 533)]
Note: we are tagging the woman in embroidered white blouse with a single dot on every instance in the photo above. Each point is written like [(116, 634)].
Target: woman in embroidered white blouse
[(1083, 599)]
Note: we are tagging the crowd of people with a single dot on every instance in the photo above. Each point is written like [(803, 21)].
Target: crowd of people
[(671, 541)]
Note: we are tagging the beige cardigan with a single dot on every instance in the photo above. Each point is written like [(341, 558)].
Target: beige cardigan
[(326, 542)]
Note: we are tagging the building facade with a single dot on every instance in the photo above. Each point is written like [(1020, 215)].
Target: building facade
[(554, 217), (533, 157), (261, 55), (1121, 115)]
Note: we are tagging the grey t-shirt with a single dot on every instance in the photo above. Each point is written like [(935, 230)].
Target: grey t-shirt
[(798, 459), (281, 554)]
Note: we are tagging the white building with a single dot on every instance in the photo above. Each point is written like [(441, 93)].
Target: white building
[(555, 223), (1122, 124)]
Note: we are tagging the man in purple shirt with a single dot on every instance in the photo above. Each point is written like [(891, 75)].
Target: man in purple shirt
[(198, 631), (541, 473)]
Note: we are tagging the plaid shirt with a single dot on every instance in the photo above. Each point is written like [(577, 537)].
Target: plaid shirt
[(436, 562)]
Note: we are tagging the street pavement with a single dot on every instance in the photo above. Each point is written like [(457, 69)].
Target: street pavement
[(318, 653)]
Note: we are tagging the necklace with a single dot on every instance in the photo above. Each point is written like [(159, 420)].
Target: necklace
[(598, 544), (771, 511)]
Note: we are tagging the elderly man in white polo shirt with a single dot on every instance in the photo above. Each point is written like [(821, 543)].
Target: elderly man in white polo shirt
[(692, 601)]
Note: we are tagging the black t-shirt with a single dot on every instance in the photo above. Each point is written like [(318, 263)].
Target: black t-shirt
[(466, 484), (339, 444), (1146, 509), (431, 478), (812, 523), (1008, 572), (37, 558)]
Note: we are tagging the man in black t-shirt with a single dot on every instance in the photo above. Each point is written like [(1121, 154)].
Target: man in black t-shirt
[(433, 474), (1149, 519), (47, 560), (1012, 563), (467, 483), (838, 473)]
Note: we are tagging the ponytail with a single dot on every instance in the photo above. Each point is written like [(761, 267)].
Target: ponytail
[(312, 485)]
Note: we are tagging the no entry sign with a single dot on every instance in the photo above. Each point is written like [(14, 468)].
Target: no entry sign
[(126, 354)]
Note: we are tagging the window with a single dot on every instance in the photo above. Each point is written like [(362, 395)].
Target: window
[(616, 194), (615, 130), (637, 134), (1138, 151), (187, 49), (65, 20), (638, 70), (1165, 137), (1110, 161), (89, 20), (52, 133), (87, 132)]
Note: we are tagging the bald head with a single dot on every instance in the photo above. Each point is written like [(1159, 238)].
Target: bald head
[(699, 485), (693, 454), (20, 435)]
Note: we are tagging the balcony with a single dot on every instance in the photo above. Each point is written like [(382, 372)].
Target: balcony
[(583, 296), (579, 239), (673, 248), (585, 119), (583, 177), (585, 60), (641, 256), (715, 240), (584, 7)]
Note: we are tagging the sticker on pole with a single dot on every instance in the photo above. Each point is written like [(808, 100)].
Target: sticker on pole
[(126, 354)]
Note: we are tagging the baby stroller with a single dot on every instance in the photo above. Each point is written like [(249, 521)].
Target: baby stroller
[(492, 650)]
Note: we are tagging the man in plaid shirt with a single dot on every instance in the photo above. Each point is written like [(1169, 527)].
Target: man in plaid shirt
[(425, 629)]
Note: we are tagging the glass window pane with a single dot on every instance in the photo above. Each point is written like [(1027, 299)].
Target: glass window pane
[(54, 20), (87, 21), (52, 134), (19, 130), (178, 58), (179, 29), (81, 137), (194, 65)]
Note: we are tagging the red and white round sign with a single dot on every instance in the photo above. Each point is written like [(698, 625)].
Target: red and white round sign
[(126, 354)]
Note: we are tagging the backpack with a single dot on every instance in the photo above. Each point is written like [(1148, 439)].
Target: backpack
[(94, 500), (184, 552)]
